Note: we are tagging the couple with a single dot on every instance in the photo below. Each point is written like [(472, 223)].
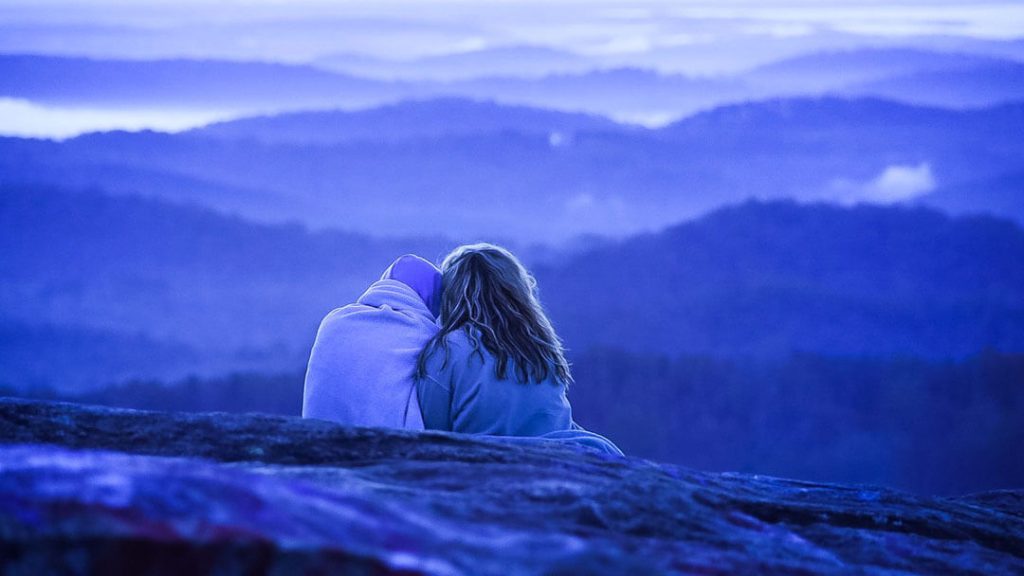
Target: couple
[(466, 348)]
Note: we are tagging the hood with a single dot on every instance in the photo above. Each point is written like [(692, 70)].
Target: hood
[(421, 276)]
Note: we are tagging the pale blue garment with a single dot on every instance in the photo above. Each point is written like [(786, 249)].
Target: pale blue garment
[(582, 437), (360, 370), (575, 437), (462, 393)]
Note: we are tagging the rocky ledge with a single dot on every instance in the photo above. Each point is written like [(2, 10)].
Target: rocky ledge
[(86, 489)]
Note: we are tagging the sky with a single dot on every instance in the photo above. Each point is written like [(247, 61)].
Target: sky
[(300, 31)]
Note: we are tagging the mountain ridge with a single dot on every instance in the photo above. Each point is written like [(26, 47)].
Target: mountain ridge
[(609, 182), (220, 284), (626, 91), (411, 119), (181, 82), (770, 278)]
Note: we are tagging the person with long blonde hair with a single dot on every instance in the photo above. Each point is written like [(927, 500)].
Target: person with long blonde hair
[(496, 365)]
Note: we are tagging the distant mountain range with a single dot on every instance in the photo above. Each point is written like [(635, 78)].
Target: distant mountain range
[(464, 169), (127, 286), (825, 71), (241, 87), (506, 61), (1000, 195), (150, 278), (982, 86), (626, 94), (411, 120), (515, 75), (205, 84), (766, 279)]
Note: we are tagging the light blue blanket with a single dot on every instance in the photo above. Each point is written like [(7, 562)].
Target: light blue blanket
[(360, 370)]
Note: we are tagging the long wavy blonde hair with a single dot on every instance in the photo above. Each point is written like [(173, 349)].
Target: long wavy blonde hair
[(486, 288)]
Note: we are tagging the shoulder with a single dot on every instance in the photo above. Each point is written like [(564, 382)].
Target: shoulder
[(466, 343), (343, 311), (458, 340), (335, 317), (339, 319), (458, 347)]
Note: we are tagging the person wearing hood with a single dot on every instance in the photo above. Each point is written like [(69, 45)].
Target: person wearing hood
[(361, 367)]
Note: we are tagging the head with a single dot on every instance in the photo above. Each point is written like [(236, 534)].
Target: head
[(485, 287), (420, 275)]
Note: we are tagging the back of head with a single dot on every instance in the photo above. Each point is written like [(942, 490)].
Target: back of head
[(420, 275), (486, 288)]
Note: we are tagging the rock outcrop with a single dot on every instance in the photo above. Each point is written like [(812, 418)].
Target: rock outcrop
[(96, 490)]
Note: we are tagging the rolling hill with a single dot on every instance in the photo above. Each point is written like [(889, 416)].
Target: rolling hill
[(411, 120), (210, 292), (207, 293), (1000, 195), (523, 61), (509, 175), (627, 94), (970, 88), (185, 84), (766, 279), (520, 75), (821, 72)]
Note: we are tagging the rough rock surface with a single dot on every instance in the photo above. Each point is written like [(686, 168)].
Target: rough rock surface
[(96, 490)]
